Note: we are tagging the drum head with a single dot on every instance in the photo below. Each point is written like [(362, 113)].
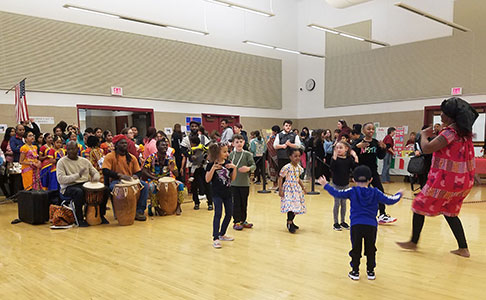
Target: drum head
[(166, 179), (129, 182), (93, 185)]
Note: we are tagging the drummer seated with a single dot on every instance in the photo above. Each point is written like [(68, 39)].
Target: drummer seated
[(159, 165), (72, 172), (121, 165)]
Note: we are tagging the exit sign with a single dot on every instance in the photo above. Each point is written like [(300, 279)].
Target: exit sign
[(456, 91), (116, 91)]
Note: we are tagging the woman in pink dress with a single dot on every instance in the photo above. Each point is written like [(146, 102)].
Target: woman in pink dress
[(149, 142), (451, 175)]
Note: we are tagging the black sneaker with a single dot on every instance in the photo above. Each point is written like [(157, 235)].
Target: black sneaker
[(104, 220), (140, 217), (290, 228), (371, 275), (344, 225), (210, 207), (296, 227), (196, 206), (354, 275), (336, 227), (83, 223)]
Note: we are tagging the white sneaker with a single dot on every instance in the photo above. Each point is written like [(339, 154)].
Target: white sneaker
[(201, 197), (217, 244), (191, 179), (226, 238), (386, 219)]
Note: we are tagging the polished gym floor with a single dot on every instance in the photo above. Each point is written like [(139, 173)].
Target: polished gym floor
[(172, 257)]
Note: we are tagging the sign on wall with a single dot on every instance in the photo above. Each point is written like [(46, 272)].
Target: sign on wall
[(3, 127), (190, 119), (43, 120)]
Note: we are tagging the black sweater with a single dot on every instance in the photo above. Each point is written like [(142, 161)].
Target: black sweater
[(341, 169), (367, 156)]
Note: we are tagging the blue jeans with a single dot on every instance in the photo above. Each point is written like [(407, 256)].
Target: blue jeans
[(385, 173), (218, 202), (142, 200)]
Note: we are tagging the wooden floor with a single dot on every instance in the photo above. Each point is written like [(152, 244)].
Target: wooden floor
[(172, 257)]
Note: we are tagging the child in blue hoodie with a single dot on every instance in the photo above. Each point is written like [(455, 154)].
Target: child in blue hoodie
[(364, 206)]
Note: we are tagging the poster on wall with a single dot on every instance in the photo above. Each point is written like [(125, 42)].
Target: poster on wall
[(399, 140), (190, 119), (380, 133)]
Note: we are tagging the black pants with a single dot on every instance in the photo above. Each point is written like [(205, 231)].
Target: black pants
[(358, 233), (454, 223), (260, 164), (281, 163), (377, 184), (76, 193), (200, 187), (3, 184), (240, 202)]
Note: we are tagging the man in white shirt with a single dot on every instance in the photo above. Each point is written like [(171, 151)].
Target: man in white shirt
[(286, 138), (227, 135)]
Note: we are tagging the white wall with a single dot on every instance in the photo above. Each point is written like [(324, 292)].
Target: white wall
[(229, 27), (389, 24)]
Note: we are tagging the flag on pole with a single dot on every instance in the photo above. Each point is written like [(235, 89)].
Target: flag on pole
[(21, 110)]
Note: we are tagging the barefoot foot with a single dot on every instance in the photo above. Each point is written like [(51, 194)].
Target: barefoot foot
[(464, 252), (407, 245)]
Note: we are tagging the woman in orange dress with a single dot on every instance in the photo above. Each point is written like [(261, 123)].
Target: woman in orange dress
[(451, 175), (107, 146), (29, 159)]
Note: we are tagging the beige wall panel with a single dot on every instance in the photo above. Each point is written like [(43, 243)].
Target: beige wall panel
[(103, 122), (58, 56), (68, 114), (412, 119), (337, 45)]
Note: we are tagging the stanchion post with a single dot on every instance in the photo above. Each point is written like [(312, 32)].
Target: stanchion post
[(264, 190), (313, 179)]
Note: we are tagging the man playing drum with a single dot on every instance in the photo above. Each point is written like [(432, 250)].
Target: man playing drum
[(121, 165), (158, 165), (72, 172)]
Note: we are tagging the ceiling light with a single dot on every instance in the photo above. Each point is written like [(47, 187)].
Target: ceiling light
[(241, 7), (352, 36), (90, 11), (346, 34), (135, 19), (287, 50), (282, 49), (434, 18), (323, 29)]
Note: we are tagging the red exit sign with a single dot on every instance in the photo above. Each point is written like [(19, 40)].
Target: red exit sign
[(456, 91), (116, 91)]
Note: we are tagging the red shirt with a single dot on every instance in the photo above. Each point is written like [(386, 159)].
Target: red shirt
[(388, 140)]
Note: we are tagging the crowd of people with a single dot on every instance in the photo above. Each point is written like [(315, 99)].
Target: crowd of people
[(219, 167)]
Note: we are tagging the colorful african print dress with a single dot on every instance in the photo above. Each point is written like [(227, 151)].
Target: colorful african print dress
[(293, 199), (161, 169), (450, 179)]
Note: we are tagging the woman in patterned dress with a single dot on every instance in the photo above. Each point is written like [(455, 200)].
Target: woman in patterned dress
[(451, 175), (45, 161), (29, 159), (292, 191), (107, 146), (54, 155)]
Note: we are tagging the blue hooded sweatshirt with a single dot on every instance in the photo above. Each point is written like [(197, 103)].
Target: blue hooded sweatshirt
[(364, 202)]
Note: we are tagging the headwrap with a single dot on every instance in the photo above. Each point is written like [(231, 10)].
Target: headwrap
[(461, 112), (118, 138)]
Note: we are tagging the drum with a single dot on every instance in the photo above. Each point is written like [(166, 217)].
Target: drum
[(125, 197), (167, 195), (93, 194)]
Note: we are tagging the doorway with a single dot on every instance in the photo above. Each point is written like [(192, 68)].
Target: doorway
[(212, 122), (115, 118)]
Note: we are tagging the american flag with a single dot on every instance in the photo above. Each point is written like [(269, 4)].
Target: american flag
[(21, 110)]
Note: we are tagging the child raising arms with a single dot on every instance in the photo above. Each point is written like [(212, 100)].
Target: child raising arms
[(292, 191)]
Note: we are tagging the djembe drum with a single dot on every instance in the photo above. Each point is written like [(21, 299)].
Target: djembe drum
[(167, 195), (125, 197), (93, 194)]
